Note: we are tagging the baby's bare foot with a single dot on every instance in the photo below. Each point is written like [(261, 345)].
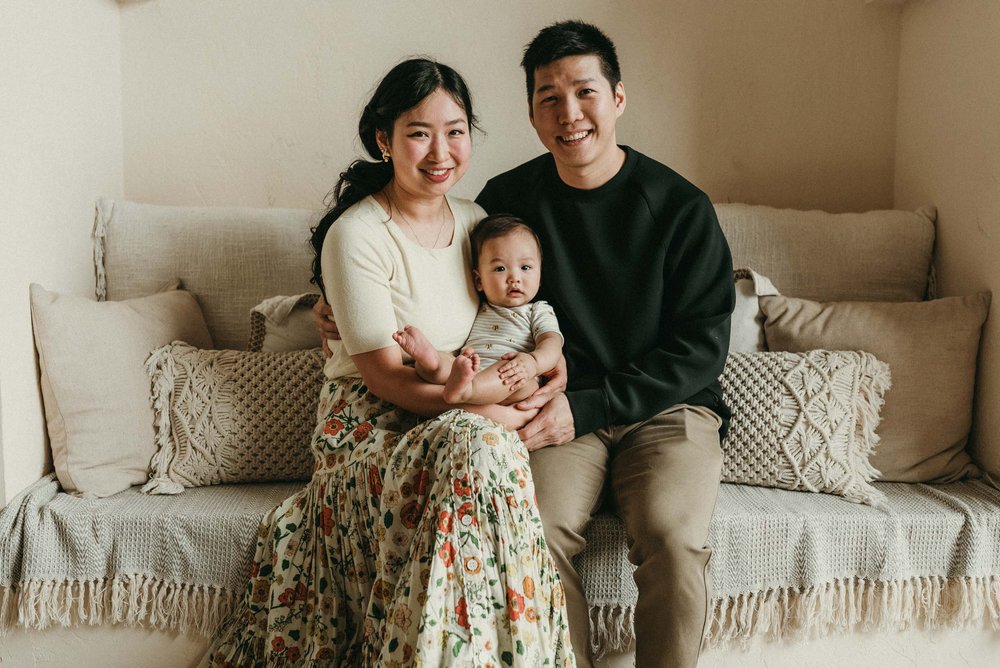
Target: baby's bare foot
[(416, 345), (459, 383)]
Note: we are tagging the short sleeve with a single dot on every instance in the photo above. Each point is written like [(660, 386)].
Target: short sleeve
[(543, 319), (357, 269)]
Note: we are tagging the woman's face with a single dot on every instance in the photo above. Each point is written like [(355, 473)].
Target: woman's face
[(430, 146)]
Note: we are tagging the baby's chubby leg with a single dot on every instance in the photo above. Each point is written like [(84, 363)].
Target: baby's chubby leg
[(432, 365), (466, 386)]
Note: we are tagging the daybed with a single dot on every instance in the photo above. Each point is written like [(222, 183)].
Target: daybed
[(787, 565)]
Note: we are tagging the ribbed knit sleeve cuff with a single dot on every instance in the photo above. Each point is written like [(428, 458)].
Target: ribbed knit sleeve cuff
[(590, 410)]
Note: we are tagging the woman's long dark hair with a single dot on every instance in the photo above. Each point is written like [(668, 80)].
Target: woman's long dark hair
[(404, 87)]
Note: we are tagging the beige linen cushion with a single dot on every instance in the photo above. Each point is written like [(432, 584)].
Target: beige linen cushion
[(95, 389), (874, 255), (283, 323), (232, 416), (931, 348), (231, 258), (804, 422)]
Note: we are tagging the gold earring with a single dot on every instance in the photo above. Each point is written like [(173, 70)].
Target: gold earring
[(385, 155)]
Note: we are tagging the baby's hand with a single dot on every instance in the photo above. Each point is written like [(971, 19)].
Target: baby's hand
[(519, 368)]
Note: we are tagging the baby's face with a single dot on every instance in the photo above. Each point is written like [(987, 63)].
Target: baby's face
[(509, 270)]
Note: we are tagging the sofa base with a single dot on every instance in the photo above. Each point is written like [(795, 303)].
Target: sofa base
[(124, 647)]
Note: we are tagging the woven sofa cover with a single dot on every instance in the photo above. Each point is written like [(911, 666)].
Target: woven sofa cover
[(785, 564)]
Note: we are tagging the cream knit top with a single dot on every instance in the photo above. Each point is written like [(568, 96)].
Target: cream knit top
[(378, 280)]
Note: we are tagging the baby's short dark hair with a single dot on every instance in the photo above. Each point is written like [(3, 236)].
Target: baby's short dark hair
[(496, 226)]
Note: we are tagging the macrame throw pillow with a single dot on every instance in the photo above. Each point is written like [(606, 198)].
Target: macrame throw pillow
[(804, 421), (225, 416)]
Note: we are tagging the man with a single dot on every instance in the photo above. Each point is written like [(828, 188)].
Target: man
[(640, 277)]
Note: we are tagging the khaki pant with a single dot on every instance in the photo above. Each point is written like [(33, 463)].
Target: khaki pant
[(663, 477)]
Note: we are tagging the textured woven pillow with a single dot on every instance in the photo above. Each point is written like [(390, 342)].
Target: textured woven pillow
[(96, 393), (805, 421), (231, 416), (283, 323), (930, 346)]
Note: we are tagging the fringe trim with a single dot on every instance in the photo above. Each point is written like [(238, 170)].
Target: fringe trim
[(875, 380), (839, 607), (160, 367), (142, 601), (612, 629), (786, 613)]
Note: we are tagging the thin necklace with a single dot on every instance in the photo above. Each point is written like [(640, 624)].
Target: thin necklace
[(413, 231)]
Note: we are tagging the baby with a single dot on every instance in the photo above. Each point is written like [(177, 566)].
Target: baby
[(509, 328)]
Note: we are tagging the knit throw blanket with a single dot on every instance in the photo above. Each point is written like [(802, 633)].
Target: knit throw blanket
[(784, 565)]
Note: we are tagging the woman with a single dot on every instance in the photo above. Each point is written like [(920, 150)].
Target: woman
[(415, 543)]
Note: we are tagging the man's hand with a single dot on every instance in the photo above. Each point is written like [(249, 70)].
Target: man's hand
[(552, 426), (327, 328)]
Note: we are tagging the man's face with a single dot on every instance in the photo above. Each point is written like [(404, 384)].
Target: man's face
[(574, 110)]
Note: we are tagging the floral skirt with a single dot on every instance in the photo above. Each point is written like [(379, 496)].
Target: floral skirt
[(414, 544)]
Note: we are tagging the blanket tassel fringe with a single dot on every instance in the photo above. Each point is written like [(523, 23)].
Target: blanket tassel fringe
[(841, 606), (787, 613), (137, 601)]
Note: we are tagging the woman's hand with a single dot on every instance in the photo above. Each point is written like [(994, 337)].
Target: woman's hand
[(327, 328)]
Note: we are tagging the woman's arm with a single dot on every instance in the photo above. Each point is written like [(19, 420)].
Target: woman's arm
[(385, 374)]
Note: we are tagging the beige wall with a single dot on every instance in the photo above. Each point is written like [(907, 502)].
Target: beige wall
[(948, 153), (255, 103), (60, 147)]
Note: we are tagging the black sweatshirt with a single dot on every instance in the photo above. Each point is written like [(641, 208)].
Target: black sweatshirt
[(640, 276)]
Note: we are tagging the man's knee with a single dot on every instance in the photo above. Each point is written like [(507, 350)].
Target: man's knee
[(569, 482), (674, 540)]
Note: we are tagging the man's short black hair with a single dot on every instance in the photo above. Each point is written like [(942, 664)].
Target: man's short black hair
[(570, 38)]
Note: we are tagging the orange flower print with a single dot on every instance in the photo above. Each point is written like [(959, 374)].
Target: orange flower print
[(260, 591), (361, 433), (286, 598), (326, 520), (375, 480), (293, 654), (333, 427), (402, 617), (410, 514), (529, 586), (490, 438), (447, 554), (278, 644), (445, 522), (515, 605), (381, 590), (462, 486), (462, 610)]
